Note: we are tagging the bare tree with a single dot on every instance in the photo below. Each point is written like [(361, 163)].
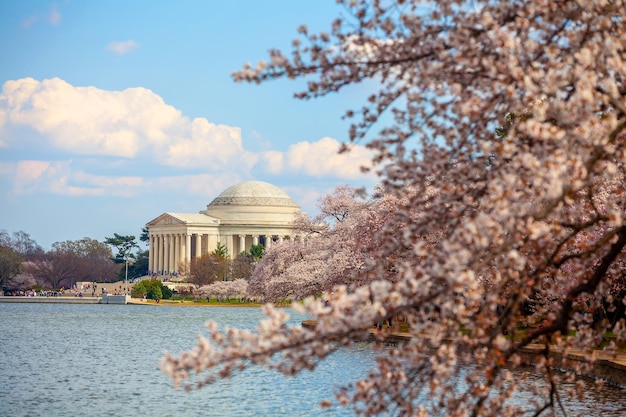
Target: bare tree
[(55, 269), (20, 242), (94, 259), (206, 269)]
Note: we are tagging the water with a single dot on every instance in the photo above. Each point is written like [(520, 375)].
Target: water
[(101, 360)]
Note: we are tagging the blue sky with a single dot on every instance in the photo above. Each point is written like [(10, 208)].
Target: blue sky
[(113, 112)]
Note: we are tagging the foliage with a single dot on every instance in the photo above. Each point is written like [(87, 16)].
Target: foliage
[(474, 224), (145, 234), (152, 289), (124, 245), (10, 264), (137, 268), (257, 251), (221, 250)]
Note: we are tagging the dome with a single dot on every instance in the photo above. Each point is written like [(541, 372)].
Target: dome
[(253, 193)]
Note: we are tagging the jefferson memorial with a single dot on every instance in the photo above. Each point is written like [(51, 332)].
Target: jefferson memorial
[(245, 214)]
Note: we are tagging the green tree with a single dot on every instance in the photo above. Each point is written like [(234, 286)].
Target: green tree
[(257, 251), (10, 264), (139, 267), (145, 234), (221, 250), (155, 293), (221, 254), (152, 289), (125, 246)]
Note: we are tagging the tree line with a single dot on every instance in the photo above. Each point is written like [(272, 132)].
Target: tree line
[(25, 265)]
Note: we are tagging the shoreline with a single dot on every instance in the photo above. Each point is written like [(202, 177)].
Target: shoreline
[(60, 299), (72, 299), (183, 303)]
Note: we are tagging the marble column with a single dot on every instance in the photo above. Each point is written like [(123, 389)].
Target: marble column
[(166, 253), (171, 254), (187, 248), (151, 253), (230, 245), (154, 266), (242, 244), (159, 254), (176, 251), (211, 243), (198, 245)]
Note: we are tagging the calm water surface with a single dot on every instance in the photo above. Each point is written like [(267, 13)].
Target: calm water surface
[(101, 360)]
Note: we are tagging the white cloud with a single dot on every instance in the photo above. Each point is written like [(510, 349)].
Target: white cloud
[(64, 178), (47, 177), (59, 177), (318, 159), (322, 158), (259, 140), (130, 142), (28, 174), (133, 123), (273, 161), (308, 198), (122, 47), (210, 145)]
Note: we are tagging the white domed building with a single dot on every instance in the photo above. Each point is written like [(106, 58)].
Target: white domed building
[(245, 214)]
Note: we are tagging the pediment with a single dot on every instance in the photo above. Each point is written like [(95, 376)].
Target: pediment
[(170, 219), (165, 219)]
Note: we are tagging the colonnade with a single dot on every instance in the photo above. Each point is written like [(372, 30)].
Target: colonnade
[(168, 250)]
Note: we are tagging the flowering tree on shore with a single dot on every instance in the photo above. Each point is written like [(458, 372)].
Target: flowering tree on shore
[(334, 248), (325, 253), (225, 289), (505, 161)]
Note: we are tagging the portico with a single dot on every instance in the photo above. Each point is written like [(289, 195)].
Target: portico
[(246, 214)]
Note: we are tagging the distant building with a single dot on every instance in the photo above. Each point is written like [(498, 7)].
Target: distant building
[(246, 214)]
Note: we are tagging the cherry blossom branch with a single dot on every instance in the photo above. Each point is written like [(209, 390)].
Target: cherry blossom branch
[(560, 323)]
